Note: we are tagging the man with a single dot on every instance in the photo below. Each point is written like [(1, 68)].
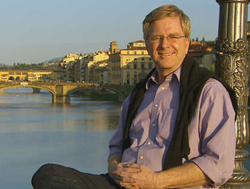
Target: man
[(176, 128)]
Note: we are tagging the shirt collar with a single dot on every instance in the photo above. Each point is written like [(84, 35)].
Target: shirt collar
[(176, 74)]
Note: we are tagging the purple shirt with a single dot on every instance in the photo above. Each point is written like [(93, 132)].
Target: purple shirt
[(212, 137)]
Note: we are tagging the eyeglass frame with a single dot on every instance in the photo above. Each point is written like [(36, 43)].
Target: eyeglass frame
[(170, 38)]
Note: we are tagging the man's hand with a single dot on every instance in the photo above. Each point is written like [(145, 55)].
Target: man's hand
[(112, 168), (136, 176)]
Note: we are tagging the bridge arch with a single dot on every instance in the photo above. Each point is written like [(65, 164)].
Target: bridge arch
[(11, 78), (120, 92), (71, 91), (30, 86)]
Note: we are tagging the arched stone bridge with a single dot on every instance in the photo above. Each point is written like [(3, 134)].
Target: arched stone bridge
[(61, 91)]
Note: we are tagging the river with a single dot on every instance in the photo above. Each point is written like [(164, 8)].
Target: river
[(33, 131)]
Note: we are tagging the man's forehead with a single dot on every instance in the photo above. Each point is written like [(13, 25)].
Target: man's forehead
[(173, 24)]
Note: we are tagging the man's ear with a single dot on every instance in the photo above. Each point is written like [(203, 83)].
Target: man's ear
[(187, 45)]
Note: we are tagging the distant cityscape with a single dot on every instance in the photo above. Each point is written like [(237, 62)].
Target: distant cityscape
[(113, 66)]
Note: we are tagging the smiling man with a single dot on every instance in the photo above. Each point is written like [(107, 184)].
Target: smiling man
[(167, 45), (176, 128)]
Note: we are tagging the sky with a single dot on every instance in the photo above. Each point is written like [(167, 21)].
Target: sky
[(33, 31)]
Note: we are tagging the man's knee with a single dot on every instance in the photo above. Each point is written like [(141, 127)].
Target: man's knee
[(41, 174)]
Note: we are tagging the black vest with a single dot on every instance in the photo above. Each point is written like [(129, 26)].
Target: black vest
[(192, 81)]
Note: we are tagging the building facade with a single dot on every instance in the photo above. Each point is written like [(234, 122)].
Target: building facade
[(92, 66), (69, 58), (129, 66), (24, 75)]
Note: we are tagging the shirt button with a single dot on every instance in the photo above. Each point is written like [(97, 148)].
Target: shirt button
[(153, 125), (156, 105), (141, 157), (149, 143)]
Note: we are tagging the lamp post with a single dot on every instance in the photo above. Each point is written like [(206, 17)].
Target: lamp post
[(231, 66)]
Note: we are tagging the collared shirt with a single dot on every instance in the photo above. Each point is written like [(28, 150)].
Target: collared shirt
[(211, 131)]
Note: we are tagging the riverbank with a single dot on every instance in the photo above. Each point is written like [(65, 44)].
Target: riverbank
[(100, 95)]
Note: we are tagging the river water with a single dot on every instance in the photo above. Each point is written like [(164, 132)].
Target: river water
[(33, 131)]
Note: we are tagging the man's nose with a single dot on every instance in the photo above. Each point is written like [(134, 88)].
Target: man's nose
[(164, 42)]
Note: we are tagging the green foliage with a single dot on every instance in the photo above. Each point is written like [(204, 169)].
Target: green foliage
[(33, 66)]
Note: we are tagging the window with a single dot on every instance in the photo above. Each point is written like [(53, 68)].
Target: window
[(143, 65), (135, 77), (135, 65), (135, 74), (150, 65), (128, 78)]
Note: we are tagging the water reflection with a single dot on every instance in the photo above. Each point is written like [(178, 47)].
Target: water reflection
[(33, 131)]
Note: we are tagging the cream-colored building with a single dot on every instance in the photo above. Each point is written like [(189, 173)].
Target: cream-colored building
[(92, 66), (23, 75), (5, 76), (129, 66), (37, 75), (69, 58)]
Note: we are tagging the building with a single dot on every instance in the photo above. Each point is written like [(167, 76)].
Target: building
[(197, 49), (125, 66), (129, 66), (92, 67), (69, 58), (99, 72), (78, 68), (70, 71), (203, 52), (24, 75)]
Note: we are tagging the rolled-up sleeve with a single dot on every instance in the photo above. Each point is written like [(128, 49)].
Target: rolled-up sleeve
[(216, 132), (115, 144)]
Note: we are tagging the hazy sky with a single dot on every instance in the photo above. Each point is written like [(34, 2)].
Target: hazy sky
[(33, 31)]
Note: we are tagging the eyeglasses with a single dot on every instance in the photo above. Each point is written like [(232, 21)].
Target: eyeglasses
[(170, 38)]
